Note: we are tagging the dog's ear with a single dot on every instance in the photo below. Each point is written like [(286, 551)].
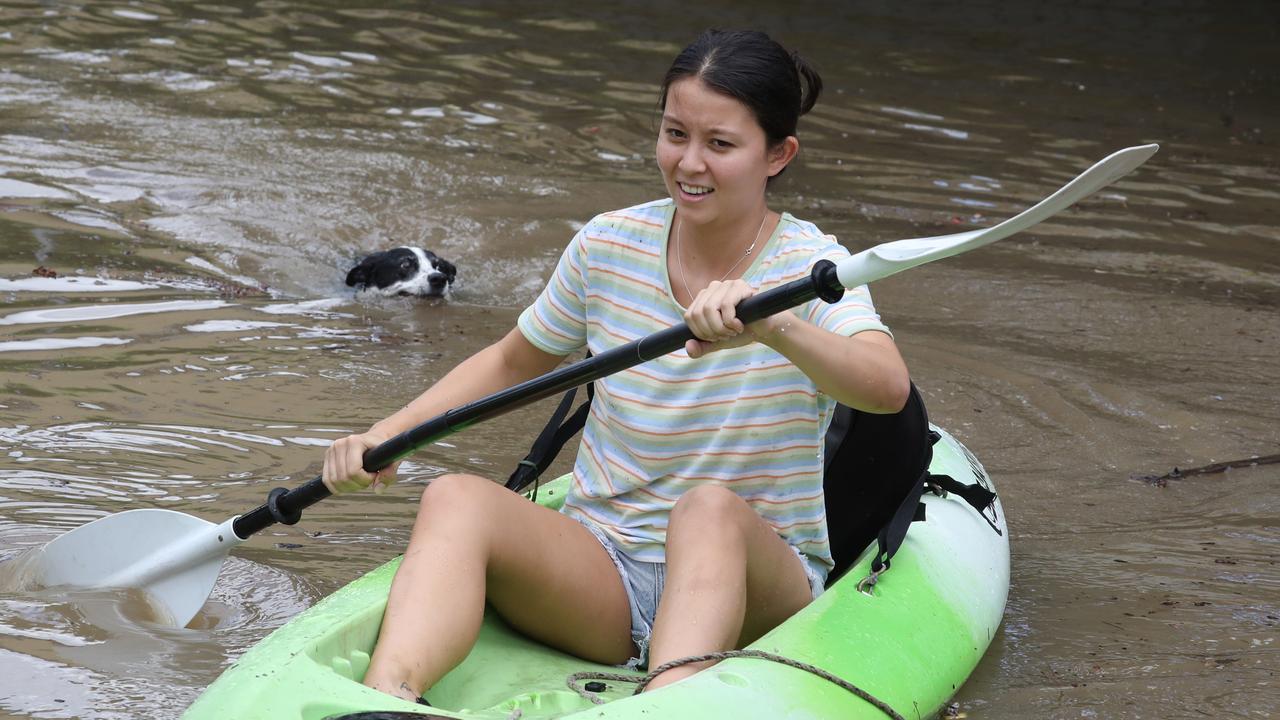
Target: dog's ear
[(359, 275), (447, 268)]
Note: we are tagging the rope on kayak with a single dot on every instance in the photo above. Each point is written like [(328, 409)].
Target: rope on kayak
[(642, 683)]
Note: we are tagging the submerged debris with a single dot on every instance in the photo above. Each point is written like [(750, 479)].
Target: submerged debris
[(1178, 473), (44, 272)]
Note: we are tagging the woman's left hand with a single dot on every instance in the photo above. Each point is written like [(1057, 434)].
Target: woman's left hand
[(712, 316)]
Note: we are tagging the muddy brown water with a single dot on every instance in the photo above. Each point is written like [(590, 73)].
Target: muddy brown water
[(199, 177)]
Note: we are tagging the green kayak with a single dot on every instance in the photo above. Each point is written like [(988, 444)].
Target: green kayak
[(909, 642)]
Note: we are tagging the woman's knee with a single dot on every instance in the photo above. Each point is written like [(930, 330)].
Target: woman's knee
[(453, 484), (709, 507), (455, 494)]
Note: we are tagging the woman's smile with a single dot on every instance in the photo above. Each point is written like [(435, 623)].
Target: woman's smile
[(694, 193)]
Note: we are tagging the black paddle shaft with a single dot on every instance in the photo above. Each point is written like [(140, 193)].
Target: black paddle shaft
[(286, 506)]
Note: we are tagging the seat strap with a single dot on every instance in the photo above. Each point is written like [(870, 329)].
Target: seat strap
[(895, 531), (891, 536), (978, 497), (557, 432)]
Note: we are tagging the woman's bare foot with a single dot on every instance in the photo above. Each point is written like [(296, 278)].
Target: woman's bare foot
[(402, 691)]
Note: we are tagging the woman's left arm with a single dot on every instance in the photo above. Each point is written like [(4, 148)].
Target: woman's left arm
[(864, 371)]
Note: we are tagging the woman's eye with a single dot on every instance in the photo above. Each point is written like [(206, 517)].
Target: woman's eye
[(675, 134), (721, 144)]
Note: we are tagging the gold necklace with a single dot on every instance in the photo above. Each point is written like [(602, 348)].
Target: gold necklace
[(745, 255)]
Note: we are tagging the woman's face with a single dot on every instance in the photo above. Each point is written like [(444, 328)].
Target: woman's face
[(714, 156)]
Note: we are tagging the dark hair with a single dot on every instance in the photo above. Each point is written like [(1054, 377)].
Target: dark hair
[(751, 67)]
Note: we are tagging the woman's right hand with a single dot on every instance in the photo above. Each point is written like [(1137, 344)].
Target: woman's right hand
[(344, 465)]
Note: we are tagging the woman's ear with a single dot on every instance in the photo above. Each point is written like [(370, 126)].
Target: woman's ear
[(782, 154)]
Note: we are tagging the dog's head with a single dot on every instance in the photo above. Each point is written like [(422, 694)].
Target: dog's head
[(403, 271)]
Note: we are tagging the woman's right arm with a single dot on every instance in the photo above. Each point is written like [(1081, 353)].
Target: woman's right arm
[(510, 361)]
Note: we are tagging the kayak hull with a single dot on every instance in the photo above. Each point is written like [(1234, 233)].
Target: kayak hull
[(911, 643)]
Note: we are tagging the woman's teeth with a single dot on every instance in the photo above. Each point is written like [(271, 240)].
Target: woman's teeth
[(695, 189)]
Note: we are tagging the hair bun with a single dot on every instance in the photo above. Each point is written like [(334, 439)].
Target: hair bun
[(810, 82)]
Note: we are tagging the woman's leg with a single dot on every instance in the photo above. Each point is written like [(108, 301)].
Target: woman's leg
[(544, 572), (730, 579)]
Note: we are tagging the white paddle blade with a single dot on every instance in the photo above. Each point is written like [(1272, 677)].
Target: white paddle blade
[(173, 556), (893, 257)]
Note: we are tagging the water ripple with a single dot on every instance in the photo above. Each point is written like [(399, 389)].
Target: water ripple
[(46, 344), (106, 311), (107, 438)]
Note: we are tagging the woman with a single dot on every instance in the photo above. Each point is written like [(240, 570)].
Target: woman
[(695, 521)]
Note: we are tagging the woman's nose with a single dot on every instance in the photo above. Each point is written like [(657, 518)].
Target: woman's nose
[(691, 159)]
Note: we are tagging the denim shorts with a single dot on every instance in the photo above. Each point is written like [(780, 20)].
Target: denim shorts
[(644, 582)]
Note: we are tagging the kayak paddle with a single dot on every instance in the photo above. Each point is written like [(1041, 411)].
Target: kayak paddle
[(177, 557)]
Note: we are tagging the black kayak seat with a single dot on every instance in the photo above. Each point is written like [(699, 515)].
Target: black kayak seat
[(875, 463)]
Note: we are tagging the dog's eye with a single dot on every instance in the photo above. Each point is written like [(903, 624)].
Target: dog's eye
[(407, 263)]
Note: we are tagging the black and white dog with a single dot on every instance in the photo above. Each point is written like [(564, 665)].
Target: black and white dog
[(403, 271)]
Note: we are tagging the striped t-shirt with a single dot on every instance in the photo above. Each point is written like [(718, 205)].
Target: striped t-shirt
[(744, 417)]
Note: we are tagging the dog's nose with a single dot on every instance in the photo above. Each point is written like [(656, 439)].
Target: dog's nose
[(437, 279)]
